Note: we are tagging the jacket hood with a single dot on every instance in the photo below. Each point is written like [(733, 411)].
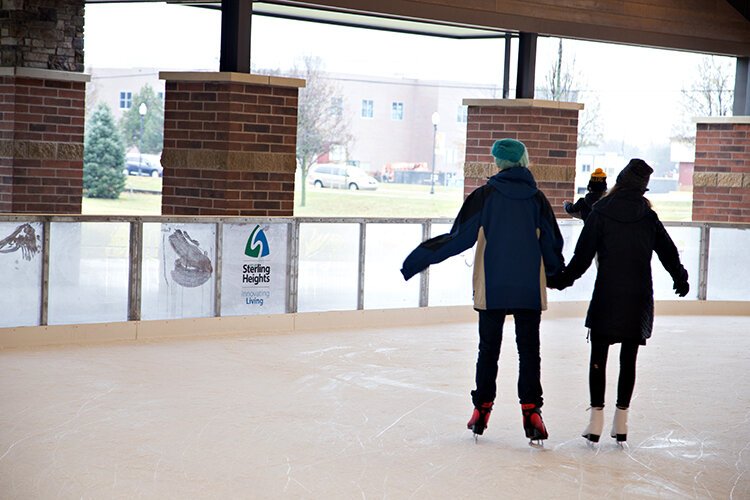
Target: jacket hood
[(516, 182), (627, 205)]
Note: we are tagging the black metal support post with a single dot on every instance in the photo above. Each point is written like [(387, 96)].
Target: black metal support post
[(236, 17), (742, 88), (526, 65), (506, 67)]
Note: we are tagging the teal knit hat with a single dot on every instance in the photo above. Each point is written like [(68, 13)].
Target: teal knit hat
[(510, 153)]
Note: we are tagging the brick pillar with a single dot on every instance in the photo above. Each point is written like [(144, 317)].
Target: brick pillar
[(229, 144), (548, 128), (41, 140), (721, 178)]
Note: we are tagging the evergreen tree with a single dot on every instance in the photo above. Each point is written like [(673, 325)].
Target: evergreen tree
[(152, 140), (103, 156)]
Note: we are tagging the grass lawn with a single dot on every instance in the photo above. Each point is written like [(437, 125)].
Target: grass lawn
[(146, 183), (674, 206), (389, 200)]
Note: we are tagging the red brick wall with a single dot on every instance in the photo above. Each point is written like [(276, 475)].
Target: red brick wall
[(721, 177), (229, 149), (550, 135), (41, 145)]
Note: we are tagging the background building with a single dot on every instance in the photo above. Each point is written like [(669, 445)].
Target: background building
[(390, 119)]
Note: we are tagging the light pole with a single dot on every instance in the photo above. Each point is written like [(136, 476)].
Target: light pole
[(142, 110), (435, 122)]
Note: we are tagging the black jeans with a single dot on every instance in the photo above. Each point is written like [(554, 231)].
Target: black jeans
[(527, 340), (598, 373)]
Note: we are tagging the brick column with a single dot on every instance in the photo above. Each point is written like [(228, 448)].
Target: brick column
[(721, 178), (41, 140), (229, 144), (548, 128)]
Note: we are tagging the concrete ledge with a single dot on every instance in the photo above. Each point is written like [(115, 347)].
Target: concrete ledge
[(45, 74), (210, 76), (721, 119), (523, 103), (312, 322)]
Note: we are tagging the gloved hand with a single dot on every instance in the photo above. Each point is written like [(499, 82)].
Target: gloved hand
[(681, 286), (559, 281), (567, 205)]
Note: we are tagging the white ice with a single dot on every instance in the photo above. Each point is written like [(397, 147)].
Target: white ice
[(376, 413)]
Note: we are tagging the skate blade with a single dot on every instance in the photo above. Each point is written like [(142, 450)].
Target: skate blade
[(476, 438), (536, 443)]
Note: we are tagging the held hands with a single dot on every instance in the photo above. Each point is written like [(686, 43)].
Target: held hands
[(681, 286), (559, 281)]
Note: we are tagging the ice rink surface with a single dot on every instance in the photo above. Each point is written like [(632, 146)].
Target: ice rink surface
[(376, 413)]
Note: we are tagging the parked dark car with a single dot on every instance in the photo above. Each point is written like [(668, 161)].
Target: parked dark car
[(145, 167)]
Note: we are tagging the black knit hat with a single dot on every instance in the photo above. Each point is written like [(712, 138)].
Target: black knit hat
[(635, 175)]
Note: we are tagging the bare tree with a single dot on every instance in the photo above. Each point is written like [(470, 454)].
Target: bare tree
[(321, 123), (562, 83), (710, 94)]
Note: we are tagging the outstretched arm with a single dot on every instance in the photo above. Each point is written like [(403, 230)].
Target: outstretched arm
[(463, 235), (575, 209)]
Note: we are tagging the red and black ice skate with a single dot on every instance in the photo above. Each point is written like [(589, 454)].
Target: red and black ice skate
[(480, 418), (533, 424)]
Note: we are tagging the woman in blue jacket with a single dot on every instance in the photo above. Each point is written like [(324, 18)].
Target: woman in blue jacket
[(518, 245)]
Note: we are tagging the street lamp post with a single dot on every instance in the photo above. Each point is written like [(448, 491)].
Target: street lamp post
[(435, 122), (142, 110)]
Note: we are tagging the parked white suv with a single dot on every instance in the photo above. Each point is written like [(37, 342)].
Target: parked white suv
[(334, 175)]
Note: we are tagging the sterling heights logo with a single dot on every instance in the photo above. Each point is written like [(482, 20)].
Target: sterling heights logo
[(257, 244), (256, 276)]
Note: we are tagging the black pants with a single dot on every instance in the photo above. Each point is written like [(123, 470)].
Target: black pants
[(527, 340), (598, 373)]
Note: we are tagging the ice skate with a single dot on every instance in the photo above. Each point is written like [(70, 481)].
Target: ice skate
[(534, 425), (593, 431), (479, 419), (620, 426)]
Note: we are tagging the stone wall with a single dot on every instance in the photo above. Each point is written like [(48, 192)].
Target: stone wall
[(721, 178), (45, 34), (229, 144)]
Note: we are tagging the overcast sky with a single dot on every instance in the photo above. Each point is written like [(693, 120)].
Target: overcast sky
[(638, 88)]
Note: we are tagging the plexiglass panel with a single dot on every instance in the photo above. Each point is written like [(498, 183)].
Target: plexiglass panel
[(387, 247), (328, 267), (687, 241), (178, 271), (729, 264), (451, 280), (20, 273), (88, 272), (254, 269)]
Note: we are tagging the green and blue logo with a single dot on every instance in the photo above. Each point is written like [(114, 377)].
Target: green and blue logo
[(257, 244)]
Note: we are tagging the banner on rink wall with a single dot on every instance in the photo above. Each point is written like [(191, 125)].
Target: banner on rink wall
[(254, 269)]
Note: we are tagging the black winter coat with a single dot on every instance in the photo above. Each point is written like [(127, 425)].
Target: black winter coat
[(623, 231), (582, 208)]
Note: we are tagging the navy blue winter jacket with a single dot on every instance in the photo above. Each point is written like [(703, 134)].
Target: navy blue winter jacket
[(518, 242)]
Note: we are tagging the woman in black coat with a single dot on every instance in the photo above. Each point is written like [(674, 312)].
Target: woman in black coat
[(622, 231)]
